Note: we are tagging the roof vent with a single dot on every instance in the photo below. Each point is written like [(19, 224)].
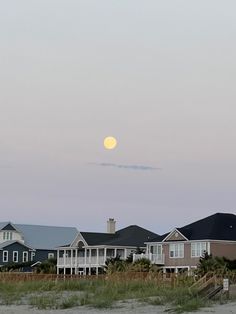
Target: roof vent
[(111, 225)]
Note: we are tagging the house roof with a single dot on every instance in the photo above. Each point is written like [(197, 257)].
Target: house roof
[(220, 226), (130, 236), (96, 238), (44, 237), (7, 243)]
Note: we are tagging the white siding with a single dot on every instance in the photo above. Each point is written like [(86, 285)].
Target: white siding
[(16, 236)]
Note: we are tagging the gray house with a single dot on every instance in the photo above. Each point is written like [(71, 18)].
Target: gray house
[(31, 243)]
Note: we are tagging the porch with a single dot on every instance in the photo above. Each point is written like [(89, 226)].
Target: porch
[(85, 260), (158, 259)]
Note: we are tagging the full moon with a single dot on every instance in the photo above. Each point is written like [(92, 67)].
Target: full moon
[(110, 142)]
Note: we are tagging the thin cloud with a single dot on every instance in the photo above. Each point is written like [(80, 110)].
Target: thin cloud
[(131, 167)]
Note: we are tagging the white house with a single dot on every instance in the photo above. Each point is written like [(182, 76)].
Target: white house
[(88, 252)]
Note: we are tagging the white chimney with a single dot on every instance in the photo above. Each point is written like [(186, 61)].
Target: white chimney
[(111, 225)]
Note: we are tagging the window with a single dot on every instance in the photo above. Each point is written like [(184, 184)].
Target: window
[(177, 250), (5, 256), (7, 235), (198, 248), (50, 255), (32, 256), (156, 249), (15, 256), (25, 256)]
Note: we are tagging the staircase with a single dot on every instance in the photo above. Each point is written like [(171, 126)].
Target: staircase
[(207, 286)]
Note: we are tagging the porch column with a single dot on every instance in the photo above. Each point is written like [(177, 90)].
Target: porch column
[(85, 256), (58, 254), (76, 261), (115, 252), (105, 254), (125, 254), (85, 261), (64, 262), (71, 260), (164, 272), (64, 258), (90, 255), (97, 256), (208, 248)]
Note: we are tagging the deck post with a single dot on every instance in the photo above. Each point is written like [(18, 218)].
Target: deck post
[(76, 261), (97, 256), (105, 254)]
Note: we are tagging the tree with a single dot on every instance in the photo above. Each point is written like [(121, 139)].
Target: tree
[(47, 267), (208, 263), (114, 264)]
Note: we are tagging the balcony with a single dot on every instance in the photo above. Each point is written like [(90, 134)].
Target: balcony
[(81, 261), (158, 259)]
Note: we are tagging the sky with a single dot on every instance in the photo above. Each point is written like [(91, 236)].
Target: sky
[(157, 75)]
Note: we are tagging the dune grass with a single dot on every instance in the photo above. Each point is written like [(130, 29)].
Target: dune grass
[(98, 293)]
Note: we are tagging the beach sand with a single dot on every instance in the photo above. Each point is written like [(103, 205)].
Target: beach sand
[(127, 307)]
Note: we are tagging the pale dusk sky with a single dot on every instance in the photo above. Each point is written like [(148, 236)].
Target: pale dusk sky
[(157, 75)]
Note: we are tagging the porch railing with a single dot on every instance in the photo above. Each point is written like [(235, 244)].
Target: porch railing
[(73, 261), (158, 259)]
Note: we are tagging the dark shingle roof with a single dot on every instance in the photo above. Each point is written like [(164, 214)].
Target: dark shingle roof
[(97, 238), (220, 226), (130, 236)]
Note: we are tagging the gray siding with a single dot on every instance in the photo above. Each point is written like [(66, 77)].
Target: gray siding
[(42, 255), (20, 248)]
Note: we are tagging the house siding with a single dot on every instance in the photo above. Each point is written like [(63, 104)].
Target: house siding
[(14, 247), (175, 236), (42, 255), (225, 249), (185, 261), (220, 249), (16, 236)]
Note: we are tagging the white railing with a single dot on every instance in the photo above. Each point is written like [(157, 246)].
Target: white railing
[(158, 259), (154, 258), (73, 261)]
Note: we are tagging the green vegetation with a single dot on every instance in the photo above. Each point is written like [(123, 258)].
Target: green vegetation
[(47, 267), (15, 266), (115, 264), (98, 293), (220, 266), (139, 281)]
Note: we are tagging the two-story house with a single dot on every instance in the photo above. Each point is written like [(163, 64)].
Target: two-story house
[(23, 243), (181, 248), (88, 252)]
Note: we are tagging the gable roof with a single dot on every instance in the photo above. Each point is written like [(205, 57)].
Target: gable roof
[(4, 224), (97, 238), (173, 233), (8, 226), (44, 237), (219, 226), (130, 236), (7, 243)]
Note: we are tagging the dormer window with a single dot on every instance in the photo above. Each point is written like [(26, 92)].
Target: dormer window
[(7, 235)]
